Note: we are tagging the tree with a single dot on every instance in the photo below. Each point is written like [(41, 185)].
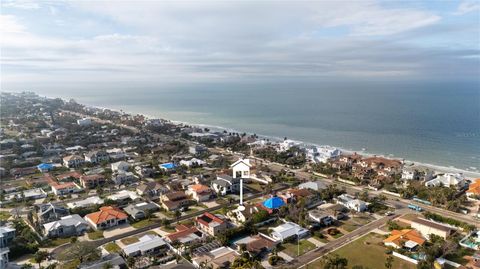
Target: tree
[(389, 262), (334, 261), (27, 266), (82, 251), (177, 214), (40, 256)]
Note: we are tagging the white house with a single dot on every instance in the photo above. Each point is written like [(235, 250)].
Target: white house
[(241, 168), (147, 245), (72, 225), (192, 162), (90, 201), (287, 144), (287, 230), (322, 154), (448, 180), (225, 184), (73, 161), (120, 166), (84, 122), (351, 203)]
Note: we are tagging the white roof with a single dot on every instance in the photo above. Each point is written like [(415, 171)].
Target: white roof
[(123, 194), (244, 161), (145, 243), (93, 200), (288, 229)]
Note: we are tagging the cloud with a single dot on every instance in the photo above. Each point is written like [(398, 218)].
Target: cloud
[(467, 7), (20, 4), (155, 42)]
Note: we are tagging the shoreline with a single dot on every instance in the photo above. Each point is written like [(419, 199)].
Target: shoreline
[(437, 168)]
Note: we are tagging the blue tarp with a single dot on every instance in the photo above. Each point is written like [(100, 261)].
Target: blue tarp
[(274, 203), (168, 165), (45, 166)]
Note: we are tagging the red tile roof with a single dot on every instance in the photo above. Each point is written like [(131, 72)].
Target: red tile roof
[(106, 213)]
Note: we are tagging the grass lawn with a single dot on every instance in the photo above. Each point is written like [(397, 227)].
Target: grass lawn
[(323, 240), (167, 229), (256, 186), (143, 223), (367, 251), (338, 235), (59, 241), (112, 248), (291, 249), (95, 235), (4, 216)]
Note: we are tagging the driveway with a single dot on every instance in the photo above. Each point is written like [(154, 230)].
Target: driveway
[(117, 231)]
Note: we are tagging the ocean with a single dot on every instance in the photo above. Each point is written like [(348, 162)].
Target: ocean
[(435, 123)]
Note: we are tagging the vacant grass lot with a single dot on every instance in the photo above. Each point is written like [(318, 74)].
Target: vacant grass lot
[(369, 252), (112, 248), (135, 239), (291, 249)]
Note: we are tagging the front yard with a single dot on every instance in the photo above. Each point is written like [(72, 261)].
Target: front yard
[(143, 223), (112, 248), (292, 249), (95, 235)]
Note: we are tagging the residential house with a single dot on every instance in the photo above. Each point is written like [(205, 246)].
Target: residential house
[(97, 156), (84, 122), (257, 245), (406, 238), (225, 184), (380, 163), (313, 185), (141, 210), (241, 215), (144, 171), (428, 227), (211, 224), (337, 211), (120, 166), (351, 203), (448, 180), (107, 217), (30, 194), (199, 192), (7, 234), (150, 189), (185, 235), (69, 176), (174, 201), (50, 212), (61, 189), (221, 257), (72, 225), (287, 230), (473, 191), (122, 177), (124, 196), (193, 162), (287, 144), (321, 217), (197, 149), (87, 202), (241, 168), (73, 161), (147, 245), (322, 154), (295, 195), (92, 181)]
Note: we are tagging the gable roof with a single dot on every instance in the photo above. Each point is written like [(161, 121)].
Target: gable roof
[(244, 161), (106, 213)]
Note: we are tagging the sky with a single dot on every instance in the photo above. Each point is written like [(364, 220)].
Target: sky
[(108, 43)]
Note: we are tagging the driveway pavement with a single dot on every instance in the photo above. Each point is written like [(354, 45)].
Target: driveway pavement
[(117, 231)]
